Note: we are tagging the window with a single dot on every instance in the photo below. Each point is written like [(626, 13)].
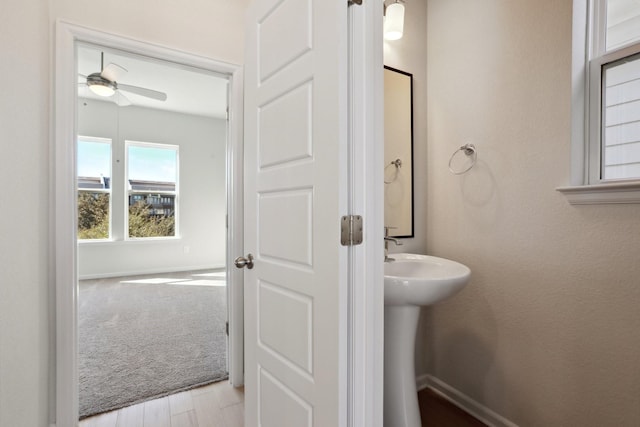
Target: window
[(94, 188), (606, 101), (614, 90), (621, 119), (152, 189)]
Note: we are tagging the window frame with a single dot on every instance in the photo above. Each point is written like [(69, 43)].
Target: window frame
[(100, 140), (589, 57), (128, 192)]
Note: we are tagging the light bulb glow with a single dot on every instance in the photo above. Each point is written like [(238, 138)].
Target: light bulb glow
[(394, 21), (101, 89)]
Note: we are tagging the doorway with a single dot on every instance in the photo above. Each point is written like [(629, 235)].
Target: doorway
[(151, 160), (170, 203)]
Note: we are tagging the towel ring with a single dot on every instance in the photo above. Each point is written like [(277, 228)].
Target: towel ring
[(470, 151), (398, 164)]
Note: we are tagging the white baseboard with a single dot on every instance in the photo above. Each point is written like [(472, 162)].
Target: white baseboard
[(463, 401), (150, 271)]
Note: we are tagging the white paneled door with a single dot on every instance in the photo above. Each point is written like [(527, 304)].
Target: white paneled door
[(295, 193)]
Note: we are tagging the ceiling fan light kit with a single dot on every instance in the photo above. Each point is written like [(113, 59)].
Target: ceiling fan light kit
[(101, 86)]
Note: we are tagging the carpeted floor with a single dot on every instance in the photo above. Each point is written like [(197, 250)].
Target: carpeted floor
[(148, 336)]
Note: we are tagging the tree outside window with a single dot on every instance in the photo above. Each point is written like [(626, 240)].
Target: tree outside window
[(94, 188), (152, 179)]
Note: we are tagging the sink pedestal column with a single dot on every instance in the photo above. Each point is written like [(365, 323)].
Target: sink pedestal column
[(400, 394)]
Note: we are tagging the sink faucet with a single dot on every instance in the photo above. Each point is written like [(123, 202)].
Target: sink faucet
[(388, 239)]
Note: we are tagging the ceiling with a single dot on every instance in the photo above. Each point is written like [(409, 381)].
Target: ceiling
[(189, 90)]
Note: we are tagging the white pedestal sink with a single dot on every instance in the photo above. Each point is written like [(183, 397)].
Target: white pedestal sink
[(410, 281)]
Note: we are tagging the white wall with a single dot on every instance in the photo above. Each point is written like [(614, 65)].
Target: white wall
[(24, 140), (409, 54), (546, 333), (212, 28), (202, 204)]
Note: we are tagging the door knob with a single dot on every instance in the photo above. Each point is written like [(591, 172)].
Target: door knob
[(242, 262)]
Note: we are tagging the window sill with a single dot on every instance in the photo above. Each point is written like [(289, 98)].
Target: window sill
[(602, 194), (129, 241), (94, 241)]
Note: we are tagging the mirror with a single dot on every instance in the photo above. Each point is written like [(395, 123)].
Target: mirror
[(398, 152)]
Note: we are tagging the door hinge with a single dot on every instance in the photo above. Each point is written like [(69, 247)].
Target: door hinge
[(352, 2), (227, 328), (351, 230)]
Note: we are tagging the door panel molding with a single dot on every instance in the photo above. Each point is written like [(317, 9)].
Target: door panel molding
[(295, 178)]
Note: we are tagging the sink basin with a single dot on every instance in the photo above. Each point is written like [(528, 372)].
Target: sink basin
[(421, 279), (410, 281)]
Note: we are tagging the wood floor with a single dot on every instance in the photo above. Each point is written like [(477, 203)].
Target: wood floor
[(436, 411), (220, 405), (215, 405)]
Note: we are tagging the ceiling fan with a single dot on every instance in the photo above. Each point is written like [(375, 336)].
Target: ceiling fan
[(105, 83)]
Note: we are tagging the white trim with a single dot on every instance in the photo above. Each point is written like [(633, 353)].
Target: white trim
[(596, 41), (598, 24), (235, 226), (598, 194), (64, 234), (64, 258), (150, 271), (366, 158), (129, 241), (579, 96), (464, 402)]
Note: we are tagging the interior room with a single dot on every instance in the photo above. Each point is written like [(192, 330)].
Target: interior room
[(194, 127), (152, 286), (544, 333)]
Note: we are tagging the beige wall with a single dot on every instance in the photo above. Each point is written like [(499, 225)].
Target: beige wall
[(410, 54), (546, 333), (211, 28)]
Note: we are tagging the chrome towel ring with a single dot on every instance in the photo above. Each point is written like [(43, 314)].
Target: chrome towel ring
[(398, 164), (470, 151)]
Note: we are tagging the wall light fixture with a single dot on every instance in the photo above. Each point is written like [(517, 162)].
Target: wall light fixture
[(394, 21)]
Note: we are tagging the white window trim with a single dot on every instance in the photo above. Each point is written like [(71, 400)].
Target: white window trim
[(586, 186), (176, 193)]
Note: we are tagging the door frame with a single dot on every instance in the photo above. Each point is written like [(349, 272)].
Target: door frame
[(366, 197), (63, 239)]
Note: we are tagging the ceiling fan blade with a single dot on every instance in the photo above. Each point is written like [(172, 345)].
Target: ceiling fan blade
[(113, 72), (154, 94), (120, 99)]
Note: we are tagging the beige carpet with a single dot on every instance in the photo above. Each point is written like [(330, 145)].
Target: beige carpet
[(144, 337)]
